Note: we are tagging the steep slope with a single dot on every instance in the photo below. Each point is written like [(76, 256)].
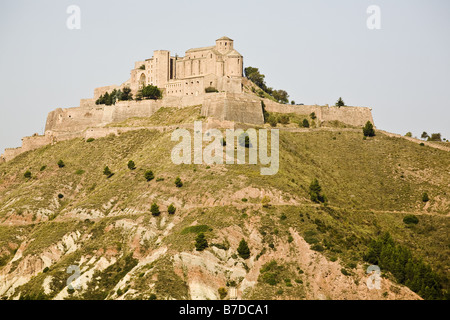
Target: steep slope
[(75, 215)]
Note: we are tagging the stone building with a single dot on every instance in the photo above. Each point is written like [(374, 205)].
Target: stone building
[(219, 67)]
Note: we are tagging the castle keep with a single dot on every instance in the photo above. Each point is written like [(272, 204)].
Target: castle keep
[(219, 67), (183, 82)]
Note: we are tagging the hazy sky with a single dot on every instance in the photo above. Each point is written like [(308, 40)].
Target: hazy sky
[(315, 50)]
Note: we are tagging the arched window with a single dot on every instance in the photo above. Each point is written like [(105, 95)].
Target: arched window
[(142, 80)]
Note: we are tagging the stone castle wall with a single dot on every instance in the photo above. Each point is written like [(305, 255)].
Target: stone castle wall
[(89, 115), (89, 120), (225, 106), (355, 116)]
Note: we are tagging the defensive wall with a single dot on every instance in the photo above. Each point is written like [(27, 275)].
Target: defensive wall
[(89, 120), (355, 116)]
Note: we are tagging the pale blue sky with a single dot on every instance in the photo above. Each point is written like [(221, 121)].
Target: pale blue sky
[(316, 50)]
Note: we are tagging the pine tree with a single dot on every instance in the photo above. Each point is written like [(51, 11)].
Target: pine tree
[(155, 210), (368, 130), (340, 103), (131, 165), (178, 182), (171, 209), (107, 172), (107, 99), (149, 175), (27, 174), (200, 242), (315, 192), (243, 250)]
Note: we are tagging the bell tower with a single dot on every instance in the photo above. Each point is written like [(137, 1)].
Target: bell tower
[(224, 44)]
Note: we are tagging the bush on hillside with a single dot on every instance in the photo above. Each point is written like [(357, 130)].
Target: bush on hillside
[(368, 130), (200, 242), (155, 210)]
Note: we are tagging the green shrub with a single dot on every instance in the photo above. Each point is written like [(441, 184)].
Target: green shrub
[(210, 90), (142, 67), (243, 250), (368, 130), (340, 103), (155, 210), (27, 174), (125, 95), (290, 239), (61, 164), (60, 196), (45, 270), (435, 137), (148, 175), (131, 165), (151, 92), (283, 119), (107, 172), (305, 123), (272, 120), (171, 209), (315, 192), (178, 182), (345, 272), (43, 168), (90, 140), (317, 247), (313, 115), (200, 242), (270, 273), (265, 202), (425, 197), (244, 199), (152, 297), (410, 219), (222, 293), (79, 172), (408, 134)]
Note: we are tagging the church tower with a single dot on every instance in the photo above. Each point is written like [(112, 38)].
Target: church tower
[(224, 44)]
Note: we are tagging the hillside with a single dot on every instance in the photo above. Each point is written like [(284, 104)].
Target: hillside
[(299, 249)]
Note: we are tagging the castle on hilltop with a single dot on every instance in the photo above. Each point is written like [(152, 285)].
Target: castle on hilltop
[(210, 76), (218, 67)]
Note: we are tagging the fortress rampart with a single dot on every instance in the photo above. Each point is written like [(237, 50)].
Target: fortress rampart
[(183, 81), (354, 116)]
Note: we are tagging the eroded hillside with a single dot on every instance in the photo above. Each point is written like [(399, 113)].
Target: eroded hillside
[(77, 216)]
